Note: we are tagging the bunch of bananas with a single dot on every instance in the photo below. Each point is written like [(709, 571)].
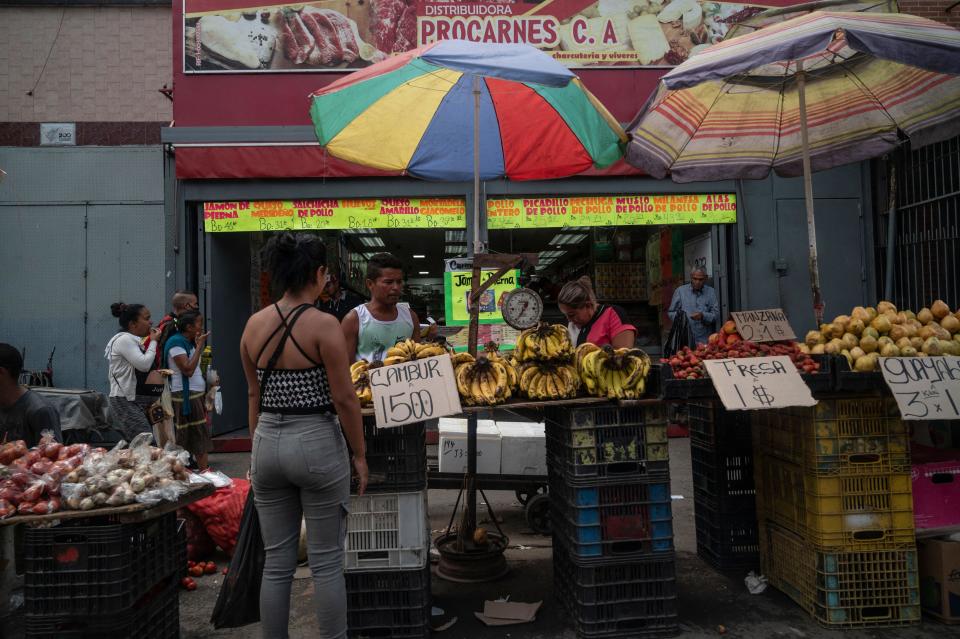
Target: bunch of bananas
[(361, 380), (408, 350), (613, 373), (484, 380), (544, 342), (548, 380)]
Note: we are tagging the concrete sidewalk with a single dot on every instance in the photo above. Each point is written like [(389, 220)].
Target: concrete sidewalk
[(707, 599)]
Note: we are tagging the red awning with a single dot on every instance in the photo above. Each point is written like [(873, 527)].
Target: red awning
[(297, 161)]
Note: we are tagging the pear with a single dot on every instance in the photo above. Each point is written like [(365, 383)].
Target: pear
[(924, 316), (868, 344), (856, 326), (939, 310), (885, 306), (908, 351)]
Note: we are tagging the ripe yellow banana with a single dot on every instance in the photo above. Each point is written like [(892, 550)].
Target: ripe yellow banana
[(526, 378), (394, 359), (513, 379), (461, 358), (429, 350)]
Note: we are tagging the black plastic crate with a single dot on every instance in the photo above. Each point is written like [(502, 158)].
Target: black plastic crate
[(87, 570), (727, 540), (824, 380), (673, 388), (396, 458), (612, 522), (713, 426), (725, 477), (626, 599), (608, 444), (156, 615), (389, 603), (850, 381)]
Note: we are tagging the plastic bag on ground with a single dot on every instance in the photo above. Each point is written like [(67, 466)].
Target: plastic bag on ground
[(238, 603)]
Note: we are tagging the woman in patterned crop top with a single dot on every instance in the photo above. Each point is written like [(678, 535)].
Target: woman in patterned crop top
[(297, 369)]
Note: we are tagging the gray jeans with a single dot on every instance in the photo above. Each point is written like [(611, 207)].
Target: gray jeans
[(300, 468)]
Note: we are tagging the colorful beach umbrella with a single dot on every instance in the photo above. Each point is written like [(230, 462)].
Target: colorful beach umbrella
[(810, 93), (415, 113)]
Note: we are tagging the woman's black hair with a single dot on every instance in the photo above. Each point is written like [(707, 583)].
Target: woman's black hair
[(126, 313), (293, 259), (185, 319)]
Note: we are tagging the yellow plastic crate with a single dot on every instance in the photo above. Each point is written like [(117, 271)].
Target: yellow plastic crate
[(857, 512), (843, 589), (864, 436)]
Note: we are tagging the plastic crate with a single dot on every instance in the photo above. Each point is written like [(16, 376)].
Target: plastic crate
[(837, 436), (608, 444), (611, 521), (713, 426), (726, 540), (389, 604), (726, 478), (673, 388), (396, 458), (387, 531), (936, 494), (846, 380), (624, 599), (846, 589), (156, 615), (88, 569), (824, 380), (858, 512)]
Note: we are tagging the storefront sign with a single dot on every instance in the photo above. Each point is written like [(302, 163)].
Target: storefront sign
[(770, 325), (758, 383), (925, 388), (299, 215), (222, 36), (619, 210), (414, 391), (456, 294)]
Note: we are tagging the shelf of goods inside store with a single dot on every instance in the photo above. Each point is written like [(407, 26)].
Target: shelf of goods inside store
[(389, 603), (843, 589), (620, 281)]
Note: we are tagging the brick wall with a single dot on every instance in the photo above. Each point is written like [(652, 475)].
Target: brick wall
[(106, 65), (933, 9)]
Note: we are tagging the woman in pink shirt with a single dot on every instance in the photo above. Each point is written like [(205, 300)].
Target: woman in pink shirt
[(590, 321)]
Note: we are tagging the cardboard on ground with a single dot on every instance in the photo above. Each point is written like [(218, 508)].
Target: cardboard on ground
[(758, 383)]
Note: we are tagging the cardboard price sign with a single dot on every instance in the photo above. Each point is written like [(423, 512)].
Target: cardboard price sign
[(768, 325), (414, 391), (924, 387), (757, 383)]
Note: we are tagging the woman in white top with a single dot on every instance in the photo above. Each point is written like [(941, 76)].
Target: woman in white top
[(125, 354), (182, 352)]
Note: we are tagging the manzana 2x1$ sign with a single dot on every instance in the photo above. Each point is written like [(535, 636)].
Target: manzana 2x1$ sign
[(446, 213)]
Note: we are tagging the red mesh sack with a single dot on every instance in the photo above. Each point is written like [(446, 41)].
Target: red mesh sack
[(199, 545), (221, 513)]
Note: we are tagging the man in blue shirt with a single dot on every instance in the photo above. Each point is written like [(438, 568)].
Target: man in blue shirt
[(699, 302)]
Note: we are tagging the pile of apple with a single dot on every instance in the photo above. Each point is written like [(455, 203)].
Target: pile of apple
[(687, 363)]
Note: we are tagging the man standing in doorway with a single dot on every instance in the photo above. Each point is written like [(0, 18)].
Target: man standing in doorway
[(24, 414), (371, 328), (337, 300), (699, 302)]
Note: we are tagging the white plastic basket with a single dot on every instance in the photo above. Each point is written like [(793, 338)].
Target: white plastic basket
[(387, 530)]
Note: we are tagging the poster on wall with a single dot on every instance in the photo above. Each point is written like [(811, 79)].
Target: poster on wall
[(697, 253), (223, 36), (456, 295)]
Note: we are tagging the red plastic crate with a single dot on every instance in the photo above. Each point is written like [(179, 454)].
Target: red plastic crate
[(936, 494)]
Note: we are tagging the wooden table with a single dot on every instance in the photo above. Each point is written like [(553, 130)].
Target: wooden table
[(128, 514)]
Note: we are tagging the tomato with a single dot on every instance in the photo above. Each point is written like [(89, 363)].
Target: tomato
[(196, 571), (186, 581), (192, 586), (223, 572), (209, 568), (190, 563)]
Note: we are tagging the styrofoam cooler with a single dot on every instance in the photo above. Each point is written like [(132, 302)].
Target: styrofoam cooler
[(387, 531), (453, 446), (522, 448)]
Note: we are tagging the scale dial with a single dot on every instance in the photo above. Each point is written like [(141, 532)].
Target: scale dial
[(522, 308)]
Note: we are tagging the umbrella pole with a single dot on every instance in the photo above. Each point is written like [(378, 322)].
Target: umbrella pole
[(808, 196), (471, 502)]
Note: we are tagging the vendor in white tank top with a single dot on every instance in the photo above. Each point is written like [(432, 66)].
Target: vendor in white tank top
[(371, 328)]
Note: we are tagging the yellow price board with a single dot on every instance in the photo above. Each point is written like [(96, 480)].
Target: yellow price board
[(621, 210), (336, 214), (456, 293)]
